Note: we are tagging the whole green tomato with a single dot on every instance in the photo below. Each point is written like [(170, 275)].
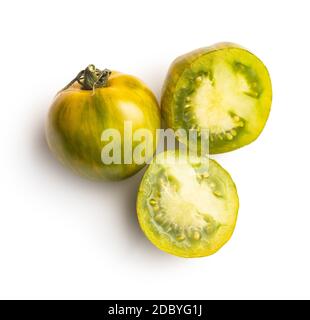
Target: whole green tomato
[(94, 102)]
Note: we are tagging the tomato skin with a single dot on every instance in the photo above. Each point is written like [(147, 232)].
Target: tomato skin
[(172, 114), (77, 118)]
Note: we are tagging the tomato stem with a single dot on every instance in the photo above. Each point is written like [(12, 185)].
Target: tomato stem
[(91, 78)]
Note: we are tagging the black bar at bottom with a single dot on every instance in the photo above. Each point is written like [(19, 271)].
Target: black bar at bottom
[(159, 309)]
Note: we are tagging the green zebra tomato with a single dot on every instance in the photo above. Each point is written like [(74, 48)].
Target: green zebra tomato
[(93, 102), (224, 89), (187, 206)]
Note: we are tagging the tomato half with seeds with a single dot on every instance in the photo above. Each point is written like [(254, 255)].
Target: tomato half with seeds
[(224, 89), (92, 103), (187, 206)]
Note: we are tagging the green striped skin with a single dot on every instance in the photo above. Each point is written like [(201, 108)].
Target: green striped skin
[(78, 117), (235, 68)]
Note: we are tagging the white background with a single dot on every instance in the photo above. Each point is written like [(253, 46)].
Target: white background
[(62, 236)]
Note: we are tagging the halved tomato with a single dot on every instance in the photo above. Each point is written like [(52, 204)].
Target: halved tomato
[(187, 206), (224, 89)]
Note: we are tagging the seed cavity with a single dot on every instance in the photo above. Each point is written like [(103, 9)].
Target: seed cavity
[(217, 193), (175, 228), (212, 225), (153, 202), (236, 118), (180, 237), (229, 136), (211, 228), (196, 235), (204, 175), (159, 218), (253, 94)]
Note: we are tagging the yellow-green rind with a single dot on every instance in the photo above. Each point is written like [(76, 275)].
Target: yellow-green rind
[(173, 84), (77, 118), (162, 241)]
